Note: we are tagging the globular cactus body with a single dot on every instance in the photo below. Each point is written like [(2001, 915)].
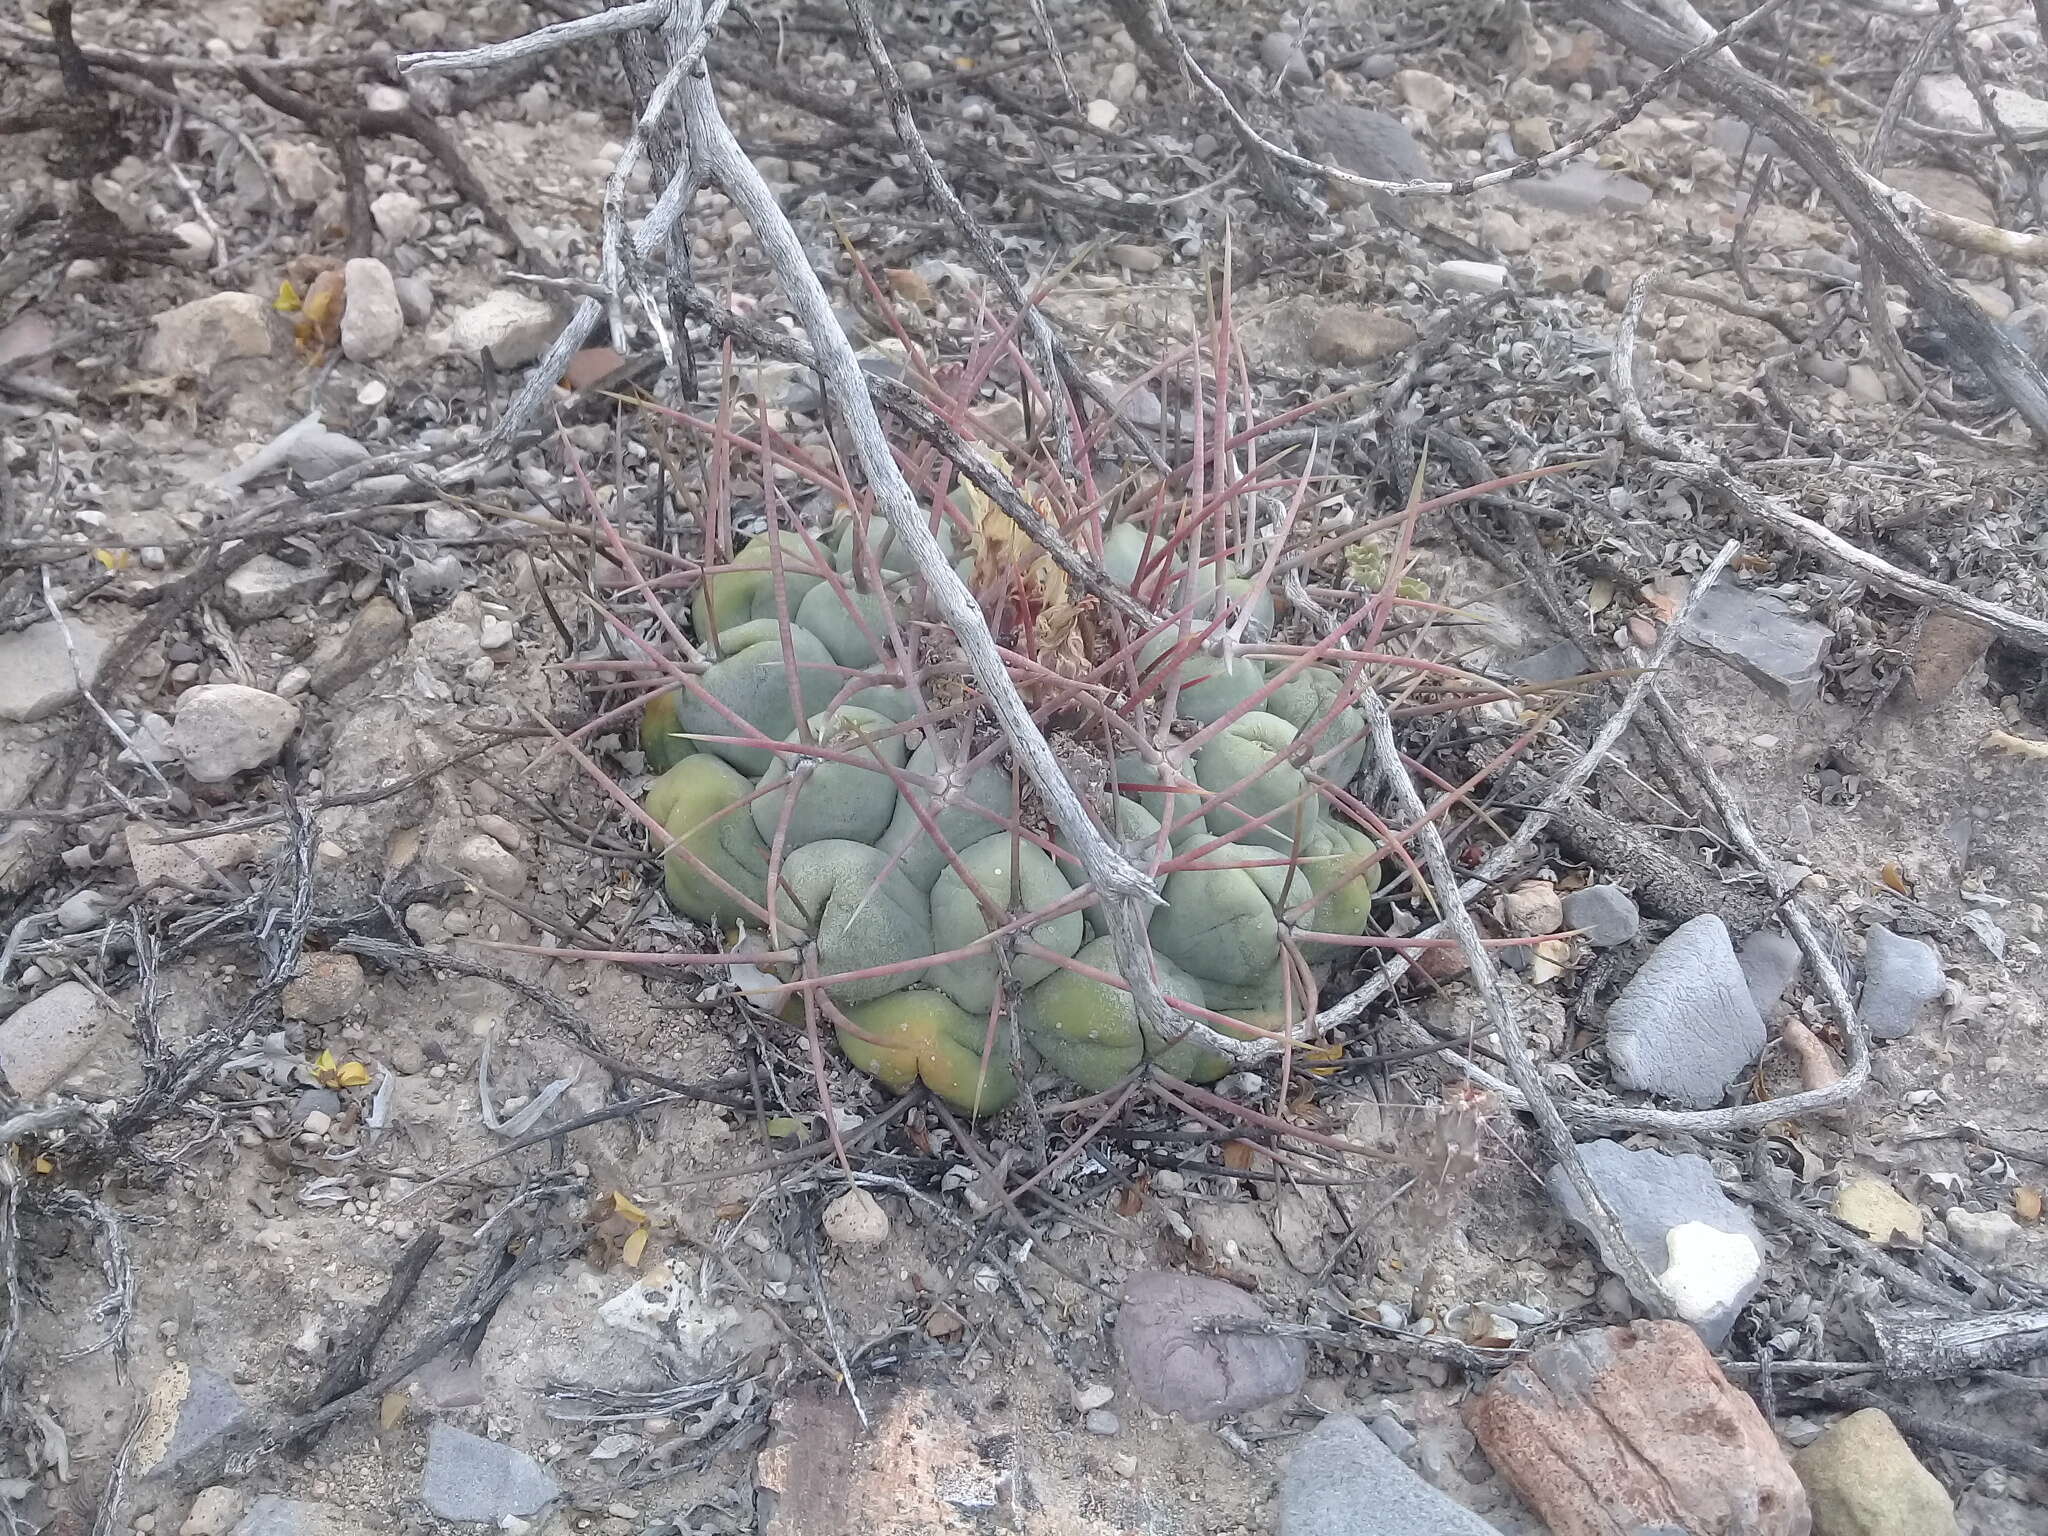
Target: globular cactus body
[(905, 842)]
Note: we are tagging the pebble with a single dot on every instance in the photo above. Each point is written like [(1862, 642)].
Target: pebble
[(1656, 1197), (81, 910), (1423, 91), (1096, 1395), (494, 634), (1201, 1376), (225, 729), (265, 586), (197, 240), (1944, 653), (1352, 335), (1901, 978), (1770, 963), (1606, 913), (214, 1512), (470, 1478), (1636, 1429), (1866, 384), (1123, 82), (1363, 142), (399, 216), (44, 1040), (1103, 113), (1984, 1236), (316, 455), (511, 327), (1862, 1479), (1532, 136), (196, 338), (415, 299), (1532, 909), (1685, 1024), (856, 1220), (326, 987), (1285, 62), (1136, 258), (882, 192), (1580, 187), (485, 860), (1471, 276), (1102, 1422), (37, 675), (1393, 1434), (1344, 1481), (447, 523), (301, 172), (373, 635), (373, 320), (1504, 232), (1879, 1212)]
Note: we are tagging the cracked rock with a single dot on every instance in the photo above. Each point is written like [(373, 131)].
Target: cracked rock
[(1764, 639), (1686, 1025)]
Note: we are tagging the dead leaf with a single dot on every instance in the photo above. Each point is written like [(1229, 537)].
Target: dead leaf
[(911, 287), (391, 1411), (1665, 596), (1131, 1200), (1239, 1155), (635, 1249), (319, 327), (1600, 595), (1895, 878), (2026, 1204), (1551, 959), (943, 1323)]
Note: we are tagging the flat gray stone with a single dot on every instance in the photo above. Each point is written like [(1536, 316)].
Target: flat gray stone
[(211, 1408), (36, 674), (1342, 1481), (1651, 1193), (1606, 912), (48, 1036), (1201, 1376), (1764, 639), (470, 1478), (225, 729), (1365, 143), (1770, 963), (1685, 1025), (1901, 977), (320, 454), (272, 1515), (1552, 664), (1580, 187), (262, 588)]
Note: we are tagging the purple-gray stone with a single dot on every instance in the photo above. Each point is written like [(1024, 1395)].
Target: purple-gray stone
[(1901, 977), (1201, 1376), (1764, 639)]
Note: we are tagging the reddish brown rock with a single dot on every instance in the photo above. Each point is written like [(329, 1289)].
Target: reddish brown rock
[(1620, 1430), (1942, 657)]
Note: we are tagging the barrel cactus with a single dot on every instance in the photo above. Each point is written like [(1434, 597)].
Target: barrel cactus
[(832, 783)]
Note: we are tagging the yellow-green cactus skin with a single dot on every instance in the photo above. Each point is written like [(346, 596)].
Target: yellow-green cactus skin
[(1013, 876), (745, 591), (919, 1035), (698, 801)]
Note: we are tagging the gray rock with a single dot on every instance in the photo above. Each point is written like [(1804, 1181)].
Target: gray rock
[(81, 910), (511, 327), (374, 635), (37, 677), (373, 320), (1552, 664), (1901, 977), (197, 338), (415, 299), (1342, 1481), (320, 454), (1770, 963), (1201, 1376), (44, 1039), (1281, 53), (1946, 101), (433, 579), (262, 588), (1983, 1235), (224, 729), (1471, 276), (1605, 912), (271, 1515), (1651, 1193), (470, 1478), (1685, 1024), (1762, 638), (1364, 142), (1580, 187), (210, 1408), (1394, 1435)]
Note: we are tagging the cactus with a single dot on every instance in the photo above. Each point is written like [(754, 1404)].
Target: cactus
[(875, 830)]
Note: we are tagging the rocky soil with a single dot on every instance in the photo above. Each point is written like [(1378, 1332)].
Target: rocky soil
[(307, 1101)]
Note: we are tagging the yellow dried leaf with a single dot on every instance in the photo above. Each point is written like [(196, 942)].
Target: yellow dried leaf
[(391, 1410), (351, 1074), (2026, 1204), (44, 1165), (636, 1246), (114, 559), (324, 1063), (1238, 1156), (319, 326), (1895, 878), (287, 300), (622, 1205)]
